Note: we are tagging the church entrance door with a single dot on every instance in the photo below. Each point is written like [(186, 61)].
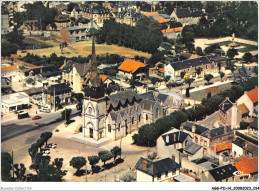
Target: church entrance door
[(90, 132)]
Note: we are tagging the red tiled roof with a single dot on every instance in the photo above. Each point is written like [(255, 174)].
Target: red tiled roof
[(222, 146), (243, 108), (161, 20), (148, 14), (9, 68), (61, 67), (161, 70), (131, 65), (247, 165), (34, 67), (177, 29), (103, 78), (253, 95)]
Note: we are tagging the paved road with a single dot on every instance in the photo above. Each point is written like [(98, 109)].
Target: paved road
[(17, 127)]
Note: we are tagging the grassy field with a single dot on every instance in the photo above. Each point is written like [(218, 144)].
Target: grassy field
[(31, 43), (78, 49), (242, 48), (199, 95)]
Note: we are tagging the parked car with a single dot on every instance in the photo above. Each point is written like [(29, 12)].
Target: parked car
[(36, 117), (23, 115), (45, 110), (51, 145)]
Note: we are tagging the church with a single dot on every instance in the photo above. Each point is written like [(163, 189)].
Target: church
[(116, 115)]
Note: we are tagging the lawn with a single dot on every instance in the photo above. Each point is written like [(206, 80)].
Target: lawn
[(199, 95), (31, 43), (79, 49), (242, 48)]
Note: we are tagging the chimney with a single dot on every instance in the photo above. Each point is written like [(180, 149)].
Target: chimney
[(193, 128), (167, 138), (256, 86), (181, 128), (245, 145), (215, 147), (144, 165), (175, 10), (227, 98), (245, 92), (225, 129), (174, 137), (173, 158), (208, 133)]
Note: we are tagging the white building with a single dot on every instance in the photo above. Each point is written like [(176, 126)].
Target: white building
[(14, 101), (250, 99), (156, 171), (11, 72)]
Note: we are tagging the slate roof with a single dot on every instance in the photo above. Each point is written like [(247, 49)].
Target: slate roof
[(148, 95), (190, 63), (68, 66), (180, 136), (95, 9), (225, 106), (33, 91), (223, 172), (239, 142), (156, 167), (59, 88), (198, 128), (181, 13), (192, 148), (216, 132), (82, 20), (29, 81), (216, 15), (254, 124), (148, 104), (82, 69), (122, 97)]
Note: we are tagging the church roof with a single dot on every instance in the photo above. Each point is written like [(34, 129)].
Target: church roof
[(122, 97), (82, 69)]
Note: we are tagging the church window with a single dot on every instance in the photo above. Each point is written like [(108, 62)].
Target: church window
[(119, 127), (133, 120), (109, 128), (89, 110), (146, 117), (139, 118)]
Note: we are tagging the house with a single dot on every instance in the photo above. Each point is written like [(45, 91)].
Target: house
[(156, 171), (105, 80), (62, 21), (209, 64), (132, 69), (248, 167), (207, 137), (231, 114), (242, 147), (221, 174), (129, 17), (14, 101), (51, 94), (250, 99), (167, 145), (253, 128), (212, 17), (172, 33), (186, 16), (193, 151), (169, 102), (99, 13), (35, 95), (11, 72)]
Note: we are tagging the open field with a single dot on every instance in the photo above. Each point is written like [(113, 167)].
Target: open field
[(32, 43), (199, 95), (78, 49)]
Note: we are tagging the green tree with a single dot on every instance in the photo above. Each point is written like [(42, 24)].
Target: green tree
[(46, 136), (6, 166), (222, 74), (182, 74), (93, 160), (58, 162), (71, 6), (230, 65), (154, 80), (199, 70), (199, 51), (49, 173), (8, 48), (208, 77), (78, 163), (166, 78), (20, 171), (105, 156), (248, 57), (190, 46), (116, 151), (65, 114), (231, 53), (189, 81), (40, 143), (32, 151)]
